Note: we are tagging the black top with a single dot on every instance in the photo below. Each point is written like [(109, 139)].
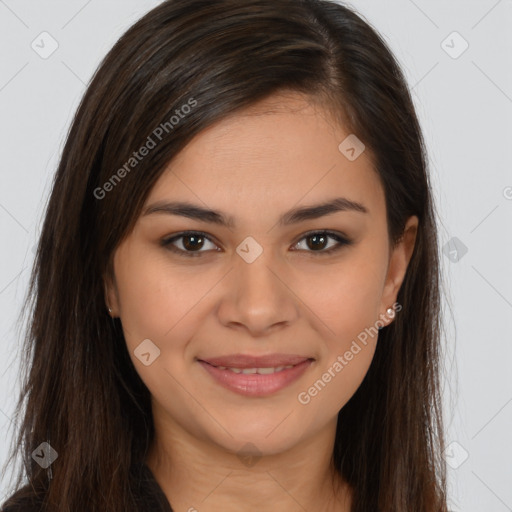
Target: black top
[(148, 496)]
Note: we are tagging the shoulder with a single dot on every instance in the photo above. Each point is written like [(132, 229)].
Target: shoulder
[(23, 500), (150, 495), (147, 493)]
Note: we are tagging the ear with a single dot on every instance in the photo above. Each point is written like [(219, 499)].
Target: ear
[(111, 296), (399, 260)]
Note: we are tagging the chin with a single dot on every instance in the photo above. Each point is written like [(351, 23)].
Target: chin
[(265, 436)]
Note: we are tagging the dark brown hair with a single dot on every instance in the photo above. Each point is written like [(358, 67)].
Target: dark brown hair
[(80, 390)]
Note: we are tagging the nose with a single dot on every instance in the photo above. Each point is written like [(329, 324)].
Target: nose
[(258, 297)]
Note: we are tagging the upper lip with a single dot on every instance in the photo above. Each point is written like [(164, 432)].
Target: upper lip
[(247, 361)]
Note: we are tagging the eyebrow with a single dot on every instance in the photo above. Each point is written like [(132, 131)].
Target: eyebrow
[(293, 216)]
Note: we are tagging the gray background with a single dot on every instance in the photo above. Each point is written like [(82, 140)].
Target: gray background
[(464, 100)]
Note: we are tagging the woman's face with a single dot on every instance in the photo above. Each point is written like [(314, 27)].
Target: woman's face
[(202, 312)]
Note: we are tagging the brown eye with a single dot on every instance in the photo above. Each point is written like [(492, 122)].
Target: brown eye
[(317, 241), (191, 243)]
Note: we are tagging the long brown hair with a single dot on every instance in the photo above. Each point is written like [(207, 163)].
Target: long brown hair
[(81, 392)]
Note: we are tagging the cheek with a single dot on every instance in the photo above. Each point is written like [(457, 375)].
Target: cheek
[(150, 304), (347, 301), (350, 312), (153, 308), (162, 303), (140, 305), (346, 297), (335, 383)]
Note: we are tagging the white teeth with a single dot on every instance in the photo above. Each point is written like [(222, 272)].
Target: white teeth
[(261, 371), (266, 371)]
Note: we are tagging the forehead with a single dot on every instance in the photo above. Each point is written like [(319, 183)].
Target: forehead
[(279, 152)]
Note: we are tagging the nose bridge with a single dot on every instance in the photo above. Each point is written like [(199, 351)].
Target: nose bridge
[(261, 299), (257, 279), (257, 284)]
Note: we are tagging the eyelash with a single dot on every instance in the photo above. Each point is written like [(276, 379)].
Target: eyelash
[(167, 242)]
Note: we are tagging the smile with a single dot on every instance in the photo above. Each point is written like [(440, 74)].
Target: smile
[(243, 375), (260, 371)]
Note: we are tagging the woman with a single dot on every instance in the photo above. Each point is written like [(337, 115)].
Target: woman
[(236, 291)]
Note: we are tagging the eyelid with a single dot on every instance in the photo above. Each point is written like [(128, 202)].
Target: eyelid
[(341, 239), (167, 242), (327, 232)]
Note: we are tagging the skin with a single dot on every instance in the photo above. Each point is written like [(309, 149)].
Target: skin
[(281, 153)]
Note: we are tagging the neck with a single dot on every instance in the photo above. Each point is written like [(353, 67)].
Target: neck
[(203, 477)]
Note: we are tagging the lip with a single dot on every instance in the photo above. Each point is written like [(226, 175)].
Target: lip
[(247, 361), (254, 384)]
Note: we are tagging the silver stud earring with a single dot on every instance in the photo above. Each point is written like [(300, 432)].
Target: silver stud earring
[(390, 311), (110, 310)]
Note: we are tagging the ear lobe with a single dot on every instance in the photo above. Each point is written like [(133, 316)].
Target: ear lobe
[(110, 292), (399, 261)]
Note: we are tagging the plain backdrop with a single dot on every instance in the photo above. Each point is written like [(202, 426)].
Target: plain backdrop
[(457, 59)]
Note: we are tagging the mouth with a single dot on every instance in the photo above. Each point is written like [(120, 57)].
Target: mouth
[(259, 371), (256, 376)]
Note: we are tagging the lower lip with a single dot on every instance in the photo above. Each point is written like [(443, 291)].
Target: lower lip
[(254, 384)]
